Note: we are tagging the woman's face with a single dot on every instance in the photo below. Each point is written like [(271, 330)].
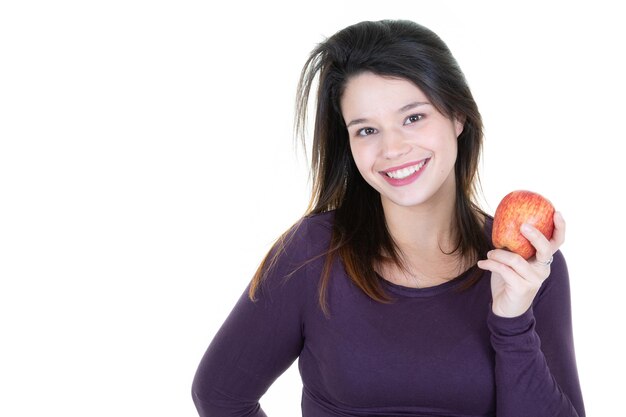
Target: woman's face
[(403, 147)]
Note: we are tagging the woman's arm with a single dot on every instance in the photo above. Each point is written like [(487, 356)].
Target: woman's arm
[(536, 372), (531, 330), (258, 341)]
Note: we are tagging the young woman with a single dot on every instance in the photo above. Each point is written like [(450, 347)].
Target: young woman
[(388, 290)]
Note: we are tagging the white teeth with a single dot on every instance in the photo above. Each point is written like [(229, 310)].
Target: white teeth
[(405, 172)]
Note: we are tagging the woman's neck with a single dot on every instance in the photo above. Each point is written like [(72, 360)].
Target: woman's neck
[(427, 236), (428, 227)]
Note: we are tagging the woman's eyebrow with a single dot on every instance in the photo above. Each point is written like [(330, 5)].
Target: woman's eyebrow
[(401, 110), (412, 106), (356, 122)]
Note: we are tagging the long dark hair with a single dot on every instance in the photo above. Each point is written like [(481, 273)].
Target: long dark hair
[(394, 48)]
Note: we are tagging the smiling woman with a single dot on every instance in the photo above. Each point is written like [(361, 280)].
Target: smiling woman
[(388, 290), (401, 146), (409, 159)]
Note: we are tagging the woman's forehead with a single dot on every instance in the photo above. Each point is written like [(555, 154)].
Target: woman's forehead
[(371, 93)]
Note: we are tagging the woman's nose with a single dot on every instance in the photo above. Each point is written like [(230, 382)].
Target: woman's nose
[(394, 145)]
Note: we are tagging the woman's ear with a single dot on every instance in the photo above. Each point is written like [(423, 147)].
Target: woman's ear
[(459, 124)]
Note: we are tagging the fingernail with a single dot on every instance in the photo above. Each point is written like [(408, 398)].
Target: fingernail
[(526, 228)]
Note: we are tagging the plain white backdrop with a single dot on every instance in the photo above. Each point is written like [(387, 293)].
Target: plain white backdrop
[(147, 164)]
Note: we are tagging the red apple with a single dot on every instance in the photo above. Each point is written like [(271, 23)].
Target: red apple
[(516, 208)]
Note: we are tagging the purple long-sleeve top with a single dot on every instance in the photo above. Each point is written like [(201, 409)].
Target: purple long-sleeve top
[(434, 351)]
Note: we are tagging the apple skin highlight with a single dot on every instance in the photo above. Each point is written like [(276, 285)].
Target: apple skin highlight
[(516, 208)]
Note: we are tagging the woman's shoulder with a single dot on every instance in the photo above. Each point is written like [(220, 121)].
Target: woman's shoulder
[(313, 226), (309, 233), (298, 249), (319, 223)]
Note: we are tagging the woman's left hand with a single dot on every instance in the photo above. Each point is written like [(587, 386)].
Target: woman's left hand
[(514, 280)]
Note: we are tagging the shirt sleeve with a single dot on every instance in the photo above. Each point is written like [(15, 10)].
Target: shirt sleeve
[(258, 341), (535, 368)]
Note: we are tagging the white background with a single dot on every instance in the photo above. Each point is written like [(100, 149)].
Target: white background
[(147, 164)]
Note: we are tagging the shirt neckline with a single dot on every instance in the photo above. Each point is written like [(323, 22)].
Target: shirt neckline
[(428, 291)]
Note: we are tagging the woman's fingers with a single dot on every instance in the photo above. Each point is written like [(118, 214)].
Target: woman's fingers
[(539, 241), (558, 237), (512, 266), (515, 281), (545, 248)]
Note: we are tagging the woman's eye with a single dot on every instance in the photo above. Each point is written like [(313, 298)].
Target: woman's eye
[(413, 118), (366, 131)]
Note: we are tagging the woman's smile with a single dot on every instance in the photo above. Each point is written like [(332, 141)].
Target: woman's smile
[(405, 174)]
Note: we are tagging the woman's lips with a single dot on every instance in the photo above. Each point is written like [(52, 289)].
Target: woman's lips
[(404, 174)]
